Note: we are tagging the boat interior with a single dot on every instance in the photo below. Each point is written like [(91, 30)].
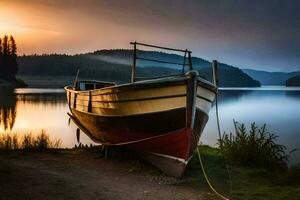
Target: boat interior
[(83, 85)]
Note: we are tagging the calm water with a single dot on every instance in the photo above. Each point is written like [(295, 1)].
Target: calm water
[(31, 110)]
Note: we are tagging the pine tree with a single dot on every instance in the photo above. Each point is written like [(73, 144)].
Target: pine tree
[(12, 46), (0, 47), (8, 58), (13, 57), (1, 66), (5, 48), (5, 59)]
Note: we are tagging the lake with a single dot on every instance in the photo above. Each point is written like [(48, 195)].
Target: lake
[(31, 110)]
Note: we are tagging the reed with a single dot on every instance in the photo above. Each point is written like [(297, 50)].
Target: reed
[(9, 142), (256, 147), (28, 142)]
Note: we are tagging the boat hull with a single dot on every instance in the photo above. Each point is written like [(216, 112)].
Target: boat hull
[(162, 121)]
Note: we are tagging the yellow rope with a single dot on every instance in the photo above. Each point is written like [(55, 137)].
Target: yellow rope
[(207, 180)]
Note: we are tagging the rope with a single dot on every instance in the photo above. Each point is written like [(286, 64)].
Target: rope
[(221, 146), (207, 180)]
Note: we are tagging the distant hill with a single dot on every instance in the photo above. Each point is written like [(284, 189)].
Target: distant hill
[(116, 65), (294, 81), (270, 78)]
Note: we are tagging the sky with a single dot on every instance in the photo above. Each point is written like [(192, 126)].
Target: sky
[(263, 35)]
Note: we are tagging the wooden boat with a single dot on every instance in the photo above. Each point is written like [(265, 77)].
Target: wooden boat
[(161, 118)]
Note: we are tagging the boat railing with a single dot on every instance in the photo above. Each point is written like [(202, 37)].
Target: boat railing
[(157, 77), (92, 85), (186, 52)]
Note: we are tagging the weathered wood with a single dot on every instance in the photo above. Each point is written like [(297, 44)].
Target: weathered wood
[(190, 61), (74, 104), (184, 64), (191, 99), (133, 73), (76, 78), (159, 118), (90, 103), (215, 73)]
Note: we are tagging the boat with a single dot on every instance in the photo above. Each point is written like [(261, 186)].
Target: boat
[(161, 118)]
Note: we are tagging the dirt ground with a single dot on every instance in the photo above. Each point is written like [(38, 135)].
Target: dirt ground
[(83, 174)]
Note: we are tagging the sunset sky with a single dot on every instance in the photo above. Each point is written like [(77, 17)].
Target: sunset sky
[(249, 34)]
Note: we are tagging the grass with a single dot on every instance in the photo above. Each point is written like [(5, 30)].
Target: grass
[(258, 165), (9, 142), (256, 147), (247, 183)]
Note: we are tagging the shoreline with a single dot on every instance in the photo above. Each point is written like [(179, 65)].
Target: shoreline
[(82, 174), (86, 174)]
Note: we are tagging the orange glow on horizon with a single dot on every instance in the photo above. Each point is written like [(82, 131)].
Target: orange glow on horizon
[(10, 24), (28, 28), (43, 28)]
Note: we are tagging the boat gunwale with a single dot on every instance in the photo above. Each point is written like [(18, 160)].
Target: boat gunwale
[(168, 80)]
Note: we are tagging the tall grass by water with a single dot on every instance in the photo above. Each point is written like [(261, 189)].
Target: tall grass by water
[(256, 147), (257, 165), (40, 142)]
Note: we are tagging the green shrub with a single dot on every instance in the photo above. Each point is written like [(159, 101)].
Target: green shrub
[(254, 148)]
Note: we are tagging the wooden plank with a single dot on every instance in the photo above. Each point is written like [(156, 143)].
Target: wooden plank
[(133, 108)]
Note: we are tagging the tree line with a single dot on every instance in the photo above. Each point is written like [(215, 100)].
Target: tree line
[(8, 58), (115, 65)]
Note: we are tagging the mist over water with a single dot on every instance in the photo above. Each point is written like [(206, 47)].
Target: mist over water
[(33, 110)]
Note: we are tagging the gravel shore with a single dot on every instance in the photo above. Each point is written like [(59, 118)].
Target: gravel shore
[(84, 174)]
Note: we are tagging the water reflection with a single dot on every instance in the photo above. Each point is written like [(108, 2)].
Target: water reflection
[(7, 108), (56, 99), (28, 110), (278, 108), (31, 110), (227, 96), (295, 95)]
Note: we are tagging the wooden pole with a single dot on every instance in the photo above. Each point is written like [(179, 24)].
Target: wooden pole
[(190, 61), (76, 79), (184, 57), (134, 63), (215, 73)]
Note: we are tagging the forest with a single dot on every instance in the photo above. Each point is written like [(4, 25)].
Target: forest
[(8, 58), (293, 82), (115, 65)]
